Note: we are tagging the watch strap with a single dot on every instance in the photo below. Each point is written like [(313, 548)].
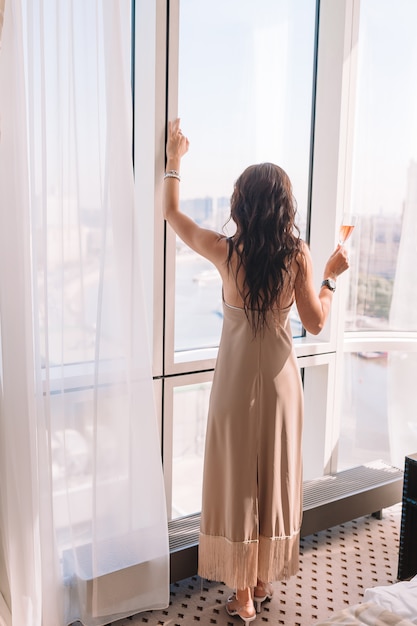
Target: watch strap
[(330, 284)]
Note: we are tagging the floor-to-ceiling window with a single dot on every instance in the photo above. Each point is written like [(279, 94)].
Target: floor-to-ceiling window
[(378, 409)]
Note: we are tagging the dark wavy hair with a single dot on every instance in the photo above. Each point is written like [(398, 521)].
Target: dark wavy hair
[(267, 239)]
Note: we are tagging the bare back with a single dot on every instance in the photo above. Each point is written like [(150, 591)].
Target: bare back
[(232, 289)]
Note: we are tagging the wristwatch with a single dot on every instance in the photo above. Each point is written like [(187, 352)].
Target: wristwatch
[(329, 283)]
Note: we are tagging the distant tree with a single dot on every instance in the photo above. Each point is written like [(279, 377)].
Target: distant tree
[(374, 296)]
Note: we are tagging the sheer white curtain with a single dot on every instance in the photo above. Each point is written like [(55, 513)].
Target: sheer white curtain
[(82, 510), (401, 395)]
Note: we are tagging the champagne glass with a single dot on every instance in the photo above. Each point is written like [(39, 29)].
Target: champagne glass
[(347, 225)]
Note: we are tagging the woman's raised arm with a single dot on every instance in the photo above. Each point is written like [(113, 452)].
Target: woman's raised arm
[(202, 240)]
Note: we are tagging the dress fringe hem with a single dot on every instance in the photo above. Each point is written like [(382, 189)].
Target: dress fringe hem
[(241, 564), (278, 557)]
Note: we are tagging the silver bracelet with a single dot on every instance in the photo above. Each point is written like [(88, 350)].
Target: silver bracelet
[(172, 174)]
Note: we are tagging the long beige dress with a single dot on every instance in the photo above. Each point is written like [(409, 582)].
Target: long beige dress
[(252, 485)]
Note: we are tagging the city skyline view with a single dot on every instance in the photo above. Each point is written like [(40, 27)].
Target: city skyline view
[(198, 284)]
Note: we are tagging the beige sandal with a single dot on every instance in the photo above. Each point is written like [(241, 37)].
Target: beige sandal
[(239, 610), (265, 592)]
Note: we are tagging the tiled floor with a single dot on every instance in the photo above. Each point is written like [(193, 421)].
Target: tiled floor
[(337, 565)]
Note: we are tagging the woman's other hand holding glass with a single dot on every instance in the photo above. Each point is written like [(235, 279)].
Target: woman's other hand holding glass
[(337, 263)]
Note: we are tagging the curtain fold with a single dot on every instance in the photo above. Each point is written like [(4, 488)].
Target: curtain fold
[(402, 401), (82, 506), (18, 470)]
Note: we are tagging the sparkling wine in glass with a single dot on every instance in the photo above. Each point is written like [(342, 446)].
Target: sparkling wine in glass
[(347, 225)]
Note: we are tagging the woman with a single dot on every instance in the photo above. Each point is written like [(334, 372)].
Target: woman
[(252, 485)]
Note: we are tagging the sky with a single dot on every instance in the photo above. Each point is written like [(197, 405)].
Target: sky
[(245, 85), (240, 99), (386, 122)]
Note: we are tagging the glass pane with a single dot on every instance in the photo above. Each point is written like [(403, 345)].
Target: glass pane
[(189, 430), (245, 96), (378, 409), (383, 250)]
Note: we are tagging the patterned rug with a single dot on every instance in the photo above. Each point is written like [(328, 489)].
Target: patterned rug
[(336, 566)]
